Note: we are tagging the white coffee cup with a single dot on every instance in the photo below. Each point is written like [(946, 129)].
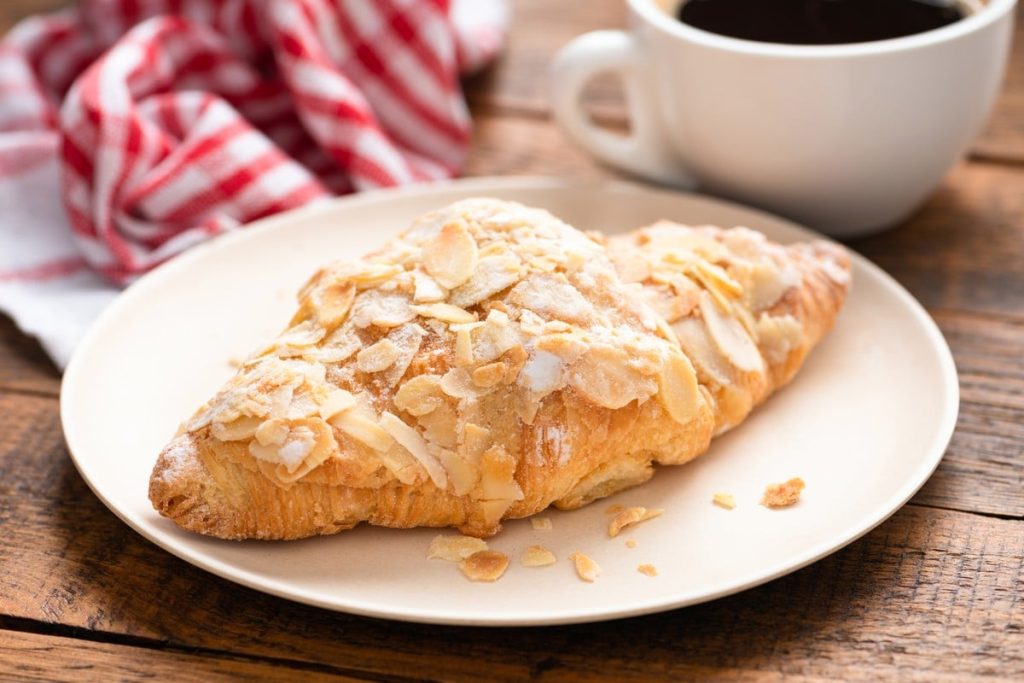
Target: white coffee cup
[(848, 139)]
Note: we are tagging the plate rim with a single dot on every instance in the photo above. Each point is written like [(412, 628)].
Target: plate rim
[(490, 184)]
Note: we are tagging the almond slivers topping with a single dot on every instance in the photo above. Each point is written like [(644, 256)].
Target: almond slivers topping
[(678, 389), (377, 357), (487, 376), (783, 495), (724, 500), (630, 516), (420, 395), (538, 556), (444, 312), (454, 548), (486, 565), (337, 401), (648, 569), (541, 523), (411, 440), (363, 429), (586, 568), (451, 257)]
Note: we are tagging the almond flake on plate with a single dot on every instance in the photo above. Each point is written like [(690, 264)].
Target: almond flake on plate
[(724, 500), (454, 548), (538, 556), (648, 569), (586, 568), (783, 495), (485, 565), (629, 516), (541, 523)]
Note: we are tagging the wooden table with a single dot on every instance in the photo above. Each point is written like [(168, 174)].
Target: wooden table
[(936, 593)]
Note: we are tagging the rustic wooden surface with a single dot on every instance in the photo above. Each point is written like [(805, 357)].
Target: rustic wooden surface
[(934, 594)]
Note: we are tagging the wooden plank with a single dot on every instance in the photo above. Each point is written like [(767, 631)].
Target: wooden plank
[(964, 249), (932, 593), (35, 657), (518, 82), (23, 365)]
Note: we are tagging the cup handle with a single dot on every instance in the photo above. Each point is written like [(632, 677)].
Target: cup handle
[(646, 150)]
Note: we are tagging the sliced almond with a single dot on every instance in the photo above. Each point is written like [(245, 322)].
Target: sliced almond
[(451, 256), (497, 475), (411, 440), (476, 439), (462, 474), (454, 548), (419, 395), (489, 375), (541, 523), (238, 430), (724, 500), (586, 568), (336, 401), (306, 333), (678, 389), (629, 517), (332, 302), (648, 569), (493, 274), (603, 376), (272, 432), (363, 429), (783, 495), (381, 309), (486, 565), (426, 290), (458, 383), (730, 337), (444, 312), (538, 556), (494, 510), (377, 357), (463, 346)]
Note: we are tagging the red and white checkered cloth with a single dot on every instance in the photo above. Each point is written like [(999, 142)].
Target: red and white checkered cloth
[(131, 130)]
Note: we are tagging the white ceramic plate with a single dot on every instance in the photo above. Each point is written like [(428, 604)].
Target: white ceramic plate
[(864, 424)]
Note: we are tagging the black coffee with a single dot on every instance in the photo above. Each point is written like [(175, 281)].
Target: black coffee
[(818, 22)]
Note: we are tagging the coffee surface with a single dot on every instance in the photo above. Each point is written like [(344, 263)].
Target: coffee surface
[(818, 22)]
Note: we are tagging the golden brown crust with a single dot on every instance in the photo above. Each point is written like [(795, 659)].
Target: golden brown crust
[(493, 361)]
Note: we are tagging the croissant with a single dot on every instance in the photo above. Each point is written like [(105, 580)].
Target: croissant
[(492, 361)]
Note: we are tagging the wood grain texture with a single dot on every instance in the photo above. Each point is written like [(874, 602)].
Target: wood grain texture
[(23, 365), (934, 594), (917, 596), (33, 657)]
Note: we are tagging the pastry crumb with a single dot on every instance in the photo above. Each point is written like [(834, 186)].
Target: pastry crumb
[(586, 568), (631, 543), (454, 548), (630, 516), (648, 569), (538, 556), (724, 500), (613, 509), (540, 523), (235, 362), (486, 565), (783, 495)]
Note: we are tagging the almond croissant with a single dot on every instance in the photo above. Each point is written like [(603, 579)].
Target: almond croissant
[(492, 361)]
